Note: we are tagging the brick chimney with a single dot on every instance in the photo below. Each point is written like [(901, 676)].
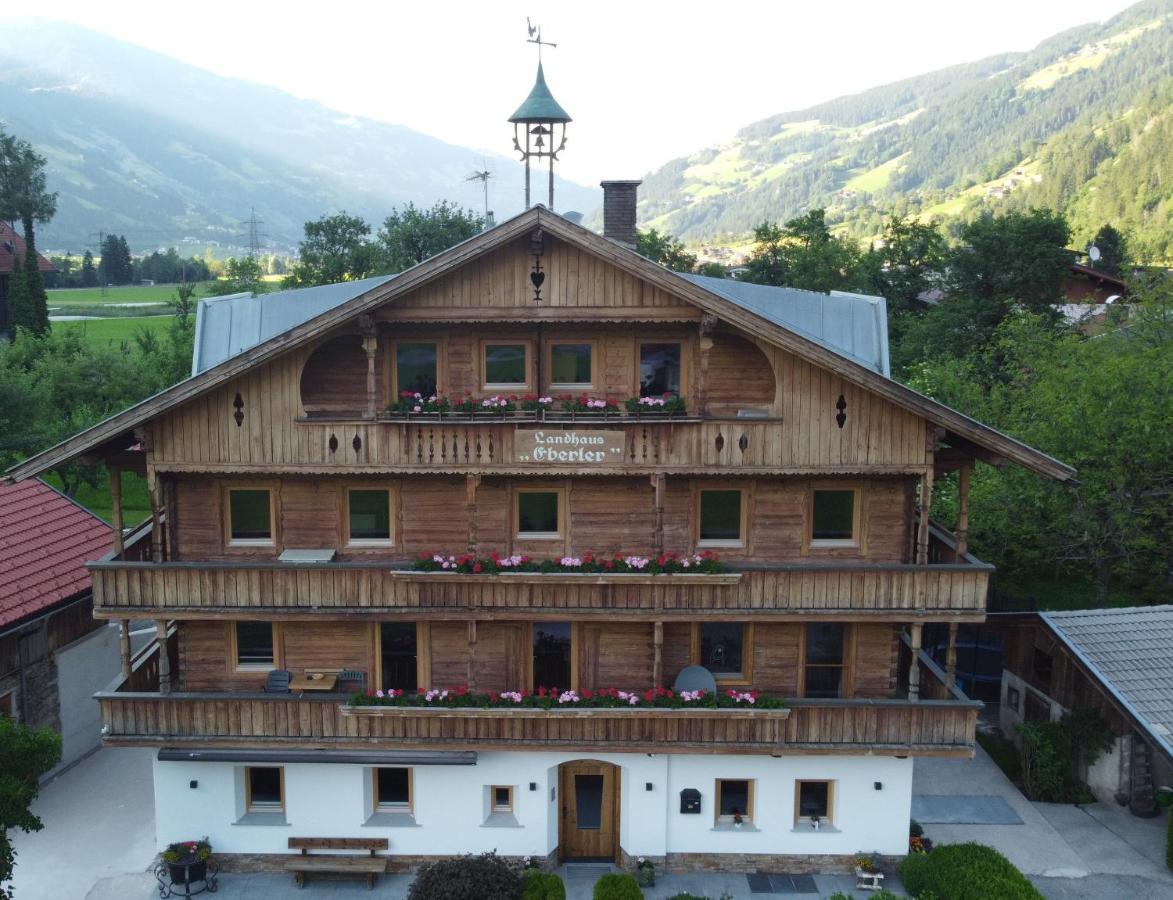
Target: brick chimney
[(619, 211)]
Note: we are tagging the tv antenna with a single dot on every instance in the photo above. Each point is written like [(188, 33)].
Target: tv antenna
[(483, 174), (535, 37)]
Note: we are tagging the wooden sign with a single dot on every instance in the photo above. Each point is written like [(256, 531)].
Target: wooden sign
[(570, 448)]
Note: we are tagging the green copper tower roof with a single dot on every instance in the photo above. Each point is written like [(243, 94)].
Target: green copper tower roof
[(540, 105)]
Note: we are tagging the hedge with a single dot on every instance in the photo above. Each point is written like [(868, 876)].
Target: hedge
[(539, 885), (965, 872), (617, 887), (484, 877)]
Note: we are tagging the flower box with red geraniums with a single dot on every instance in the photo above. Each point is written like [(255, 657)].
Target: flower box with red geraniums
[(583, 406), (590, 564), (555, 698), (413, 403), (664, 405)]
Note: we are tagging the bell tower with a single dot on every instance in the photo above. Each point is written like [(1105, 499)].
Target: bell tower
[(539, 125)]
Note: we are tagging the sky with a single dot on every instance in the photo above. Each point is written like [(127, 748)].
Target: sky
[(645, 82)]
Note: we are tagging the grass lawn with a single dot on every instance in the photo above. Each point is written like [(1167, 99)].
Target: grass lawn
[(130, 293), (135, 504), (117, 330)]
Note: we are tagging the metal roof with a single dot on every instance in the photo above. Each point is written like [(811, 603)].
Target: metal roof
[(1130, 652), (226, 326), (540, 105), (853, 325)]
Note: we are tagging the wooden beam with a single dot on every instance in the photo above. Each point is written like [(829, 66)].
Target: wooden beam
[(963, 510), (914, 665), (658, 487), (926, 497), (371, 346), (124, 645), (164, 659), (471, 483), (705, 333), (472, 654), (657, 654), (951, 658), (116, 511)]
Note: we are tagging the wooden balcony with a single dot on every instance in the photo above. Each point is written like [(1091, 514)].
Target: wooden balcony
[(239, 720), (880, 592)]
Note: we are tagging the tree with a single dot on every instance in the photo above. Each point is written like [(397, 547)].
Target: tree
[(665, 250), (335, 249), (1113, 249), (410, 236), (241, 275), (115, 266), (909, 260), (169, 360), (803, 254), (24, 195), (25, 755), (89, 273)]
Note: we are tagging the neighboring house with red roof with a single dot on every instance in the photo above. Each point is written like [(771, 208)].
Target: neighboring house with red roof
[(53, 654), (12, 250)]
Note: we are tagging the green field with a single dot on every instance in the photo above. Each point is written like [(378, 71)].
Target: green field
[(117, 330), (135, 504), (131, 293)]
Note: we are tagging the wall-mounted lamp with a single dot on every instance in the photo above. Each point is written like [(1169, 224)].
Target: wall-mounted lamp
[(647, 785), (878, 785), (193, 784), (533, 786)]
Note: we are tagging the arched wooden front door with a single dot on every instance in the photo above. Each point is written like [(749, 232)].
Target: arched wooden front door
[(589, 810)]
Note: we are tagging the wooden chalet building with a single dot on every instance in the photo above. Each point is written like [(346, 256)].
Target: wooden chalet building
[(291, 507)]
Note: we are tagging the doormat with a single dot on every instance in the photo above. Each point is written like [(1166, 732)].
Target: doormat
[(780, 883), (963, 809)]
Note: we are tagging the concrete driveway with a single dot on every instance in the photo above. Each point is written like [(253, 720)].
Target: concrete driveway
[(99, 821), (1070, 852)]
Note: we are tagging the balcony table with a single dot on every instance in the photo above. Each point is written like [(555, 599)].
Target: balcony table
[(314, 681)]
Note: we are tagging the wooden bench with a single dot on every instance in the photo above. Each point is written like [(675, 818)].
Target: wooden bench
[(337, 863)]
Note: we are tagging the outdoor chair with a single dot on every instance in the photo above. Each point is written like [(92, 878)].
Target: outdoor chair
[(277, 682), (695, 678), (351, 680)]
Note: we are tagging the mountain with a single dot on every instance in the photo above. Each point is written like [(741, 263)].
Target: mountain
[(1084, 122), (167, 153)]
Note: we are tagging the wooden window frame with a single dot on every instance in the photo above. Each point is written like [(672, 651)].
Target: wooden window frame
[(563, 513), (423, 655), (493, 807), (849, 638), (548, 362), (234, 653), (226, 501), (857, 538), (409, 809), (745, 677), (248, 792), (393, 355), (742, 541), (828, 819), (747, 814), (685, 368), (392, 514), (490, 387)]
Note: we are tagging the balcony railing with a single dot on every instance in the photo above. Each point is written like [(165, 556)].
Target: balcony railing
[(183, 589), (932, 727)]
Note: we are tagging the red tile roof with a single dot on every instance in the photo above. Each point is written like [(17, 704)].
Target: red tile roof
[(45, 540), (9, 238)]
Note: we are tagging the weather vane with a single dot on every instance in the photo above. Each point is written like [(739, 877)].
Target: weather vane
[(539, 125), (535, 37)]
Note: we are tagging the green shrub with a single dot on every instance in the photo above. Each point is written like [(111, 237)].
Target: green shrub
[(539, 885), (617, 887), (484, 877), (1169, 842), (965, 872)]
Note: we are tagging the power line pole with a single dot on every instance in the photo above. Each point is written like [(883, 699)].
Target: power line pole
[(255, 235)]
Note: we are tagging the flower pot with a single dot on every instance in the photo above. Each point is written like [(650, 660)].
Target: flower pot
[(187, 872), (645, 876)]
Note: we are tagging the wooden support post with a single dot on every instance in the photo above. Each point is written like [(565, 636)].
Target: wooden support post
[(472, 655), (657, 654), (164, 659), (926, 504), (963, 510), (914, 665), (156, 516), (124, 645), (116, 512), (471, 483), (951, 658), (707, 326), (658, 486), (370, 343)]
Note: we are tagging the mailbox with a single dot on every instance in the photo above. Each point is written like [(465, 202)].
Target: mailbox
[(690, 800)]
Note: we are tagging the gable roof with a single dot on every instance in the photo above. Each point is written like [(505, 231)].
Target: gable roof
[(622, 258), (226, 326), (45, 541), (12, 248), (1130, 652)]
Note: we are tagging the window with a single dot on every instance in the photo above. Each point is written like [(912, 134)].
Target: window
[(264, 788), (824, 669), (551, 661), (734, 798), (501, 798), (393, 790), (8, 704), (570, 365), (722, 519), (659, 369), (1041, 665), (539, 514), (399, 655), (814, 800), (254, 645), (368, 517), (416, 366), (250, 516), (722, 648), (506, 365), (833, 519)]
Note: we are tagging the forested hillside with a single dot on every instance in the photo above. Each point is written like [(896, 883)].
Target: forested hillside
[(1081, 123)]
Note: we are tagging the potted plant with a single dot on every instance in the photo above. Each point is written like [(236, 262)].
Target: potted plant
[(413, 404), (589, 407), (737, 819), (659, 407), (645, 872), (187, 861), (815, 821)]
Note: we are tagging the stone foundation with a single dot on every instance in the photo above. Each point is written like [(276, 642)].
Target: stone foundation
[(275, 862)]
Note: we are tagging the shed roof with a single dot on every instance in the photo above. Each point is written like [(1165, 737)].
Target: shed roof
[(1129, 651), (45, 541)]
